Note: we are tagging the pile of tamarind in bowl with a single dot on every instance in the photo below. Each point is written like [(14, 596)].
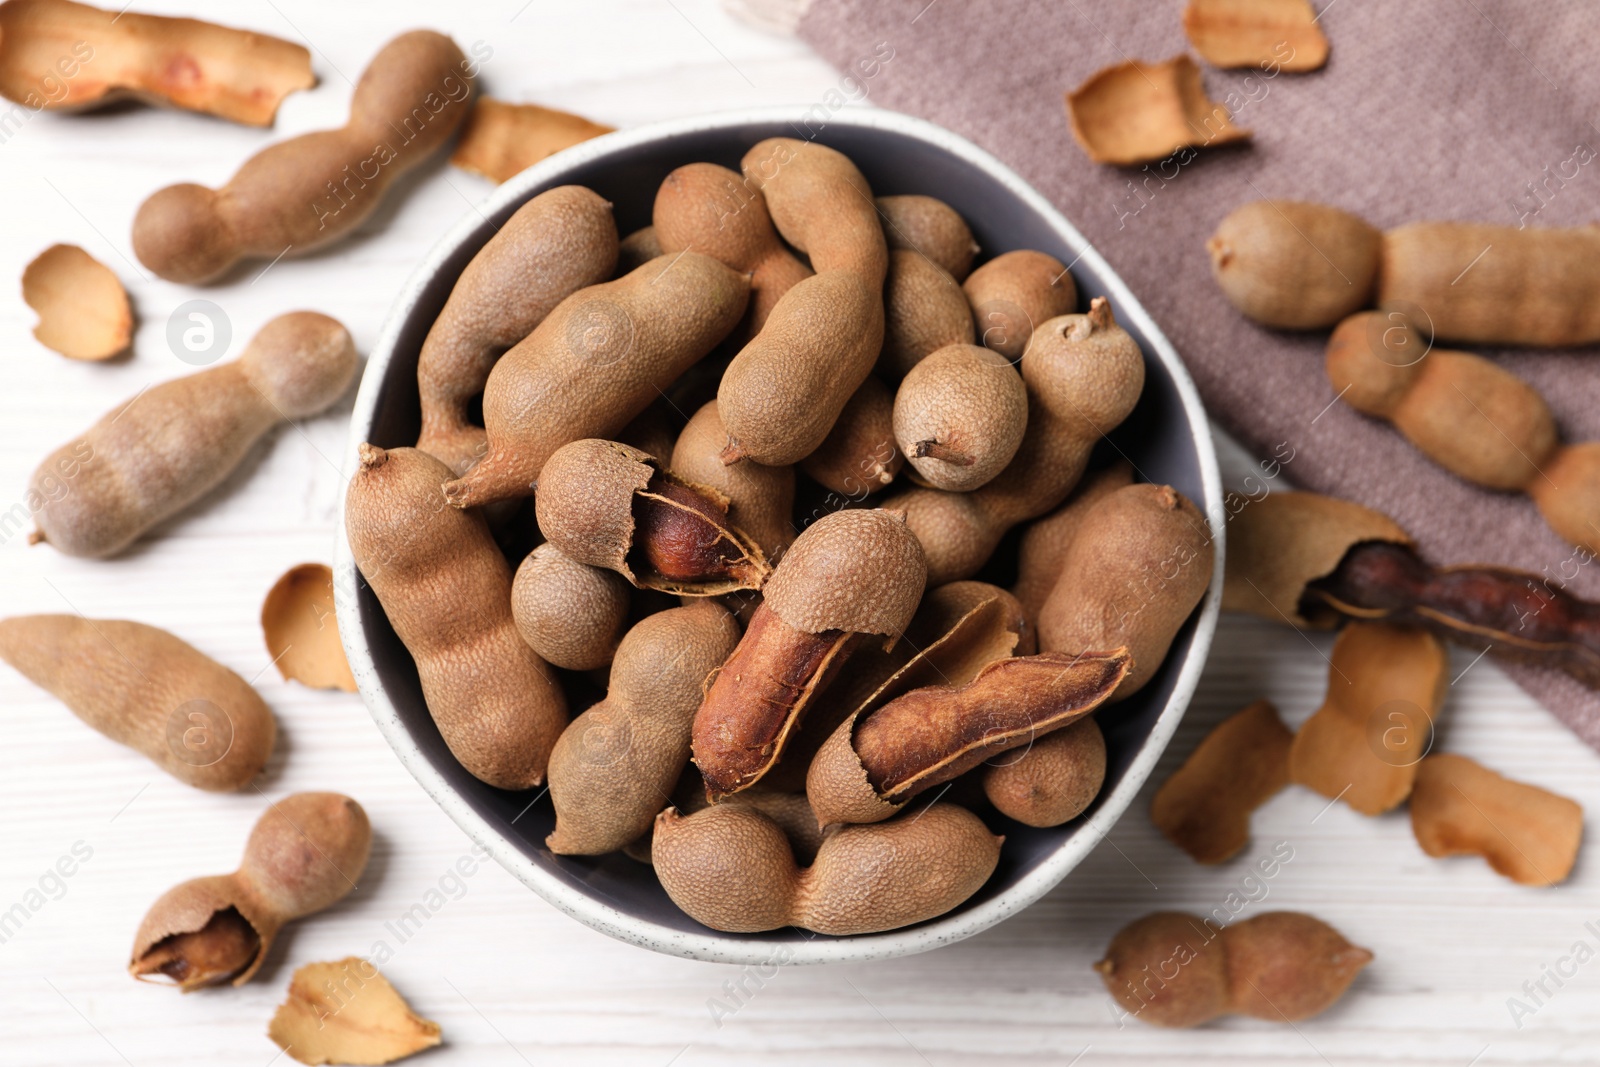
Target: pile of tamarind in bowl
[(834, 536)]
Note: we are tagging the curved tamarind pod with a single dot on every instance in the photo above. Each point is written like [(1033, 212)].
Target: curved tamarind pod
[(1045, 541), (595, 363), (822, 205), (552, 246), (58, 54), (310, 190), (1053, 780), (172, 443)]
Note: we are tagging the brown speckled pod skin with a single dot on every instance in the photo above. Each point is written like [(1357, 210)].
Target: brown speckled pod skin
[(1532, 287), (731, 868), (555, 244), (859, 456), (783, 392), (616, 764), (305, 853), (760, 498), (713, 210), (924, 310), (1177, 970), (850, 573), (960, 416), (311, 190), (592, 505), (1293, 265), (1084, 374), (637, 249), (1140, 563), (1051, 781), (1044, 541), (1014, 294), (1279, 545), (446, 590), (172, 443), (570, 613), (595, 363), (147, 689), (931, 227)]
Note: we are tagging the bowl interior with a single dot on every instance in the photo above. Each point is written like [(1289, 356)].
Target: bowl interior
[(1166, 439)]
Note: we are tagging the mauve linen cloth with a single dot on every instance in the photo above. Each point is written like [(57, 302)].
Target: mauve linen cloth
[(1425, 110)]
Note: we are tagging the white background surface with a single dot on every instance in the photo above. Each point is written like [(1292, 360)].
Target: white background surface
[(510, 979)]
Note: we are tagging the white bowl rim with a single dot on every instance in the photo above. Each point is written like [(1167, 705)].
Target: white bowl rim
[(711, 946)]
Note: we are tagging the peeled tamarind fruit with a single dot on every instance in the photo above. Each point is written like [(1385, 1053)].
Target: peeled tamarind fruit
[(1294, 265), (199, 721), (1173, 969), (552, 246), (305, 853), (1139, 564), (1084, 374), (311, 190), (849, 574), (1053, 780), (711, 209), (731, 868), (1469, 415), (570, 613), (931, 227), (172, 443), (959, 416), (859, 456), (925, 309), (1015, 293), (615, 765), (608, 505), (595, 363), (760, 499), (446, 589)]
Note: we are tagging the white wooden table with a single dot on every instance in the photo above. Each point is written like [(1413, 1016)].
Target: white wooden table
[(510, 979)]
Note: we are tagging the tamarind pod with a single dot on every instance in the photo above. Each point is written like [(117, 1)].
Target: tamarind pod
[(1483, 284), (1519, 615), (560, 241), (1045, 541)]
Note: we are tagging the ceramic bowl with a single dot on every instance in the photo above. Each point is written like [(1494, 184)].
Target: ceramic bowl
[(1167, 438)]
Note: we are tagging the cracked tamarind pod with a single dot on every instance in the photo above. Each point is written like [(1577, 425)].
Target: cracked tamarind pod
[(1314, 562), (595, 363), (311, 190), (850, 574), (557, 243), (607, 505), (304, 854), (731, 867), (1084, 375), (938, 718)]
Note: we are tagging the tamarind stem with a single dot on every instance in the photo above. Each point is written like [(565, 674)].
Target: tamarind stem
[(942, 452), (1517, 614)]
